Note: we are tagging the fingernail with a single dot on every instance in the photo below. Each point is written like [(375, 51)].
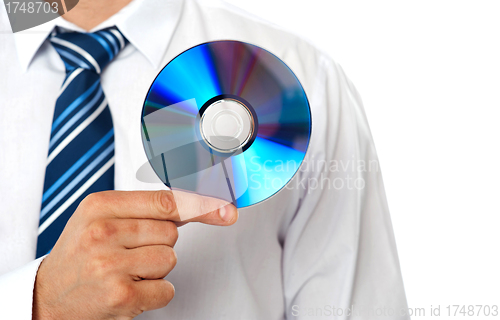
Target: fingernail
[(225, 214)]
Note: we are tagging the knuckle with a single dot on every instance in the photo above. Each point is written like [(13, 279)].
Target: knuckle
[(172, 231), (165, 201), (167, 294), (165, 256), (164, 292), (170, 292), (101, 230), (91, 202), (86, 203), (171, 257), (92, 198)]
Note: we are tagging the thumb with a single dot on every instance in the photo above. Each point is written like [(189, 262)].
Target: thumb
[(192, 207)]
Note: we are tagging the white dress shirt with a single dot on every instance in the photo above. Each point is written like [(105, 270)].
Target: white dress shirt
[(298, 255)]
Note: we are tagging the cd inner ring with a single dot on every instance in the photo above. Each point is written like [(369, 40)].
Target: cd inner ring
[(226, 125)]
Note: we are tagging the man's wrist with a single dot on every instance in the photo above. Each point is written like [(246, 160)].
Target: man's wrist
[(40, 310)]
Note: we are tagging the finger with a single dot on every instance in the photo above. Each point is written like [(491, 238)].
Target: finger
[(154, 294), (150, 262), (160, 205), (133, 233)]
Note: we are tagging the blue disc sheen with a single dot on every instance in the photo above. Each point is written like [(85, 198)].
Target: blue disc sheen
[(176, 99)]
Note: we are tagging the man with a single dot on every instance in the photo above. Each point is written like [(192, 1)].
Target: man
[(322, 247)]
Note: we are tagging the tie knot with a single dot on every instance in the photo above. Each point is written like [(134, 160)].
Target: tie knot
[(91, 51)]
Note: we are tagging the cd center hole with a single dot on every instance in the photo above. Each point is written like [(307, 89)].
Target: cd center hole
[(226, 126)]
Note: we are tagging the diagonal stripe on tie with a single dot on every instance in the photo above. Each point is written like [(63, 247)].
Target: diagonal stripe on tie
[(81, 148)]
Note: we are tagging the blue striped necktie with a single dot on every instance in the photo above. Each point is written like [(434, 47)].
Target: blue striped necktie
[(81, 149)]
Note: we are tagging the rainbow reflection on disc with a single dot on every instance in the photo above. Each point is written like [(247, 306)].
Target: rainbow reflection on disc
[(226, 119)]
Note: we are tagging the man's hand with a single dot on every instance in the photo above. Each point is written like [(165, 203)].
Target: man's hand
[(111, 258)]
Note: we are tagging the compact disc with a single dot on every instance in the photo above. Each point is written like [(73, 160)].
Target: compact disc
[(226, 119)]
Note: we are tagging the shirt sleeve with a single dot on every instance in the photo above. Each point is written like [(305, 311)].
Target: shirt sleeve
[(16, 291), (340, 259)]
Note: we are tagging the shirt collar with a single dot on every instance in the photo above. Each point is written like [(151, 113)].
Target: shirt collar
[(147, 24)]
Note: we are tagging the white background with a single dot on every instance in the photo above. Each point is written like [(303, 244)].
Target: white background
[(429, 75)]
